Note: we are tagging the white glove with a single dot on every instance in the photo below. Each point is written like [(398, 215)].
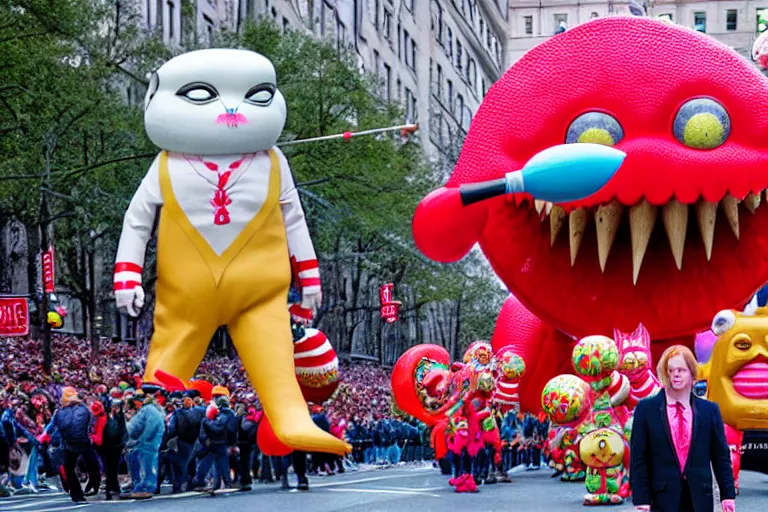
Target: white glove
[(130, 301), (311, 300)]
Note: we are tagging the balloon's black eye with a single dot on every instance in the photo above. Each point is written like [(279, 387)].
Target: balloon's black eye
[(261, 94), (198, 92)]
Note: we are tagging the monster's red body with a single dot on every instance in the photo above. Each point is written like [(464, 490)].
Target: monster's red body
[(640, 72)]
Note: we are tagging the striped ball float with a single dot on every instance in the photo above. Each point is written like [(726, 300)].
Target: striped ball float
[(317, 367)]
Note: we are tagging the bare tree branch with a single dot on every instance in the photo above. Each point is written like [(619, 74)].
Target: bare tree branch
[(58, 216), (313, 182), (82, 170)]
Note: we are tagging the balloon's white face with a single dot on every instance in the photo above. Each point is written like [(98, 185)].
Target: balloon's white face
[(215, 102)]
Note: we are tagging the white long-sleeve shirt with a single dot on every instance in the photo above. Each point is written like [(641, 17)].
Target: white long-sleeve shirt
[(194, 186)]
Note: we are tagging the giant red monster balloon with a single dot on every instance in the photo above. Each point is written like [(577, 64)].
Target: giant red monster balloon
[(675, 236)]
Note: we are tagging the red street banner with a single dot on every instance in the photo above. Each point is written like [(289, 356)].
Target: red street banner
[(389, 307), (48, 271), (14, 316)]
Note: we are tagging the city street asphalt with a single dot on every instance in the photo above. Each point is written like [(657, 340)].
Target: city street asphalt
[(400, 489)]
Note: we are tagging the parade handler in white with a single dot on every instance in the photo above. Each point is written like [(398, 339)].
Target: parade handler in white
[(231, 231)]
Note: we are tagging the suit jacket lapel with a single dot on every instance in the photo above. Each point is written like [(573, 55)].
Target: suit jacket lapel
[(694, 428), (665, 422)]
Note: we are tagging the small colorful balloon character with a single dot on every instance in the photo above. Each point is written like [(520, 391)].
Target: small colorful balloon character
[(510, 369), (637, 364)]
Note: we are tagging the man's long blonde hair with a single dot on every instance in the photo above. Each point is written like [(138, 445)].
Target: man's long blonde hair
[(676, 350)]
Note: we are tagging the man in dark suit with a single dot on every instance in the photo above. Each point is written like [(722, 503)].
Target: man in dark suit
[(676, 438)]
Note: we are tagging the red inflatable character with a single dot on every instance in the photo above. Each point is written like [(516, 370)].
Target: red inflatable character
[(695, 146), (455, 400)]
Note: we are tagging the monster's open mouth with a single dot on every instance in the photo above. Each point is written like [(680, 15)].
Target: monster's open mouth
[(670, 266), (640, 222), (751, 381)]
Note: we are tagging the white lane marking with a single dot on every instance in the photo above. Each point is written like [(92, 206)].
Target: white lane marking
[(386, 491), (73, 507), (358, 481), (25, 497), (419, 489), (36, 503)]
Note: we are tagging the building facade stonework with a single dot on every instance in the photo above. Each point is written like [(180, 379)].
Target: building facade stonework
[(734, 23)]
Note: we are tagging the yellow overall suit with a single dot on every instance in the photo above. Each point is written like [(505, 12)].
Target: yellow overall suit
[(245, 288)]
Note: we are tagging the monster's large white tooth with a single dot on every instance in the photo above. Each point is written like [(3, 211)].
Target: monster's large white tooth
[(642, 218), (706, 214), (607, 221), (556, 223), (731, 209), (548, 208), (539, 205), (577, 223), (675, 217), (752, 201)]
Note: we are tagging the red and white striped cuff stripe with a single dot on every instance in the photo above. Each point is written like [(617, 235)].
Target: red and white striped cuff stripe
[(127, 276)]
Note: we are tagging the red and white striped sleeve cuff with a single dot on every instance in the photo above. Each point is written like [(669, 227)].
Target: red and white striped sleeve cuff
[(127, 276), (308, 274)]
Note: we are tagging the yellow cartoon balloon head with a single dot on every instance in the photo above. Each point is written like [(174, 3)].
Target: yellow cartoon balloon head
[(737, 371)]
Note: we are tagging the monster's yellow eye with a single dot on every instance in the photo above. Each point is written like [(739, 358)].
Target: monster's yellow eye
[(595, 128), (702, 123), (743, 344)]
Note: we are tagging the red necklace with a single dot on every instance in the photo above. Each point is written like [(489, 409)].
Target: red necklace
[(220, 199)]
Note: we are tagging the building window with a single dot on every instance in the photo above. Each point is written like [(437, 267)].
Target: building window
[(399, 85), (459, 106), (449, 43), (700, 21), (485, 88), (450, 95), (159, 13), (482, 29), (410, 106), (387, 26), (440, 81), (409, 5), (528, 25), (376, 9), (471, 72), (208, 27), (286, 23), (413, 56), (274, 13), (399, 47), (439, 31), (171, 21), (388, 82), (667, 17), (459, 52), (730, 19), (561, 21), (594, 15), (376, 62), (250, 9)]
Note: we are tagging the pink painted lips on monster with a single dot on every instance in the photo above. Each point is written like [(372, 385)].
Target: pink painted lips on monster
[(751, 381), (231, 119)]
